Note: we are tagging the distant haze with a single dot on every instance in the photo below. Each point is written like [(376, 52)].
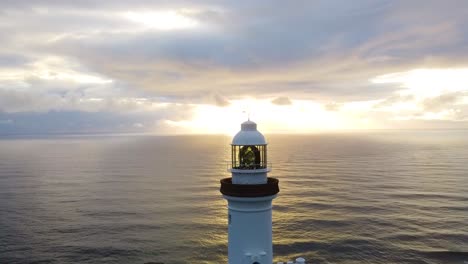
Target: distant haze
[(177, 67)]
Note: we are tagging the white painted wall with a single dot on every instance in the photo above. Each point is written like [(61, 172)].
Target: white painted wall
[(258, 176), (250, 230)]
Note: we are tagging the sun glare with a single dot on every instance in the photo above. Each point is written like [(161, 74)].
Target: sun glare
[(428, 82), (162, 20), (301, 116)]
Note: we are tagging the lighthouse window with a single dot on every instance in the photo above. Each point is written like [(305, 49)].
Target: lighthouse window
[(249, 157)]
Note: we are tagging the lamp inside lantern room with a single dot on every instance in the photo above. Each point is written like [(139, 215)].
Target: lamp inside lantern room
[(249, 157)]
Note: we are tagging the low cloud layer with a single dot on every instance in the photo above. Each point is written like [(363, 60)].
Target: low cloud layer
[(282, 100), (441, 102), (221, 100)]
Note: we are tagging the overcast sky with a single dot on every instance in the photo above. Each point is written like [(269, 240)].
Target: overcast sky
[(170, 67)]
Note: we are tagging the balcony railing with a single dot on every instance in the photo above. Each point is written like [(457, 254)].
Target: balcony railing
[(243, 166)]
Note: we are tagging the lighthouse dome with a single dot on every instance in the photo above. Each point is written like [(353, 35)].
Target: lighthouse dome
[(248, 135)]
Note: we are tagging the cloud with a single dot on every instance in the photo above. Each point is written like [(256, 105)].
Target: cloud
[(6, 121), (236, 52), (73, 121), (333, 106), (282, 100), (441, 102), (88, 56), (69, 122), (395, 99), (12, 60), (220, 100)]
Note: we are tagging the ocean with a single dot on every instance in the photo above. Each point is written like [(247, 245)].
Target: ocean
[(367, 197)]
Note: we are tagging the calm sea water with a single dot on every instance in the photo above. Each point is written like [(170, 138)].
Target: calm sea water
[(386, 197)]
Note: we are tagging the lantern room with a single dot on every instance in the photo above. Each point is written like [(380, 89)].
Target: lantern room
[(249, 148)]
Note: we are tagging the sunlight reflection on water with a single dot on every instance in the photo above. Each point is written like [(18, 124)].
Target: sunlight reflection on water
[(382, 197)]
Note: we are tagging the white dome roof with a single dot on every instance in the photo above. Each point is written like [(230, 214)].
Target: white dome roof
[(248, 135)]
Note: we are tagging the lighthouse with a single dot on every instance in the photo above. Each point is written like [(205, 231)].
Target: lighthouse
[(249, 193)]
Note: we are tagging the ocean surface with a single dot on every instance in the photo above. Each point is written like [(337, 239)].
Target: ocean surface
[(374, 197)]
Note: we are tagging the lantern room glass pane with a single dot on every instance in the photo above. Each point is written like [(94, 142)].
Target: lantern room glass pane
[(249, 157)]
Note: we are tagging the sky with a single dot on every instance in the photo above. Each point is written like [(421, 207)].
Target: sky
[(183, 67)]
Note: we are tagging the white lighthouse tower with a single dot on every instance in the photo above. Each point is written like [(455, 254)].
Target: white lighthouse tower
[(249, 194)]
